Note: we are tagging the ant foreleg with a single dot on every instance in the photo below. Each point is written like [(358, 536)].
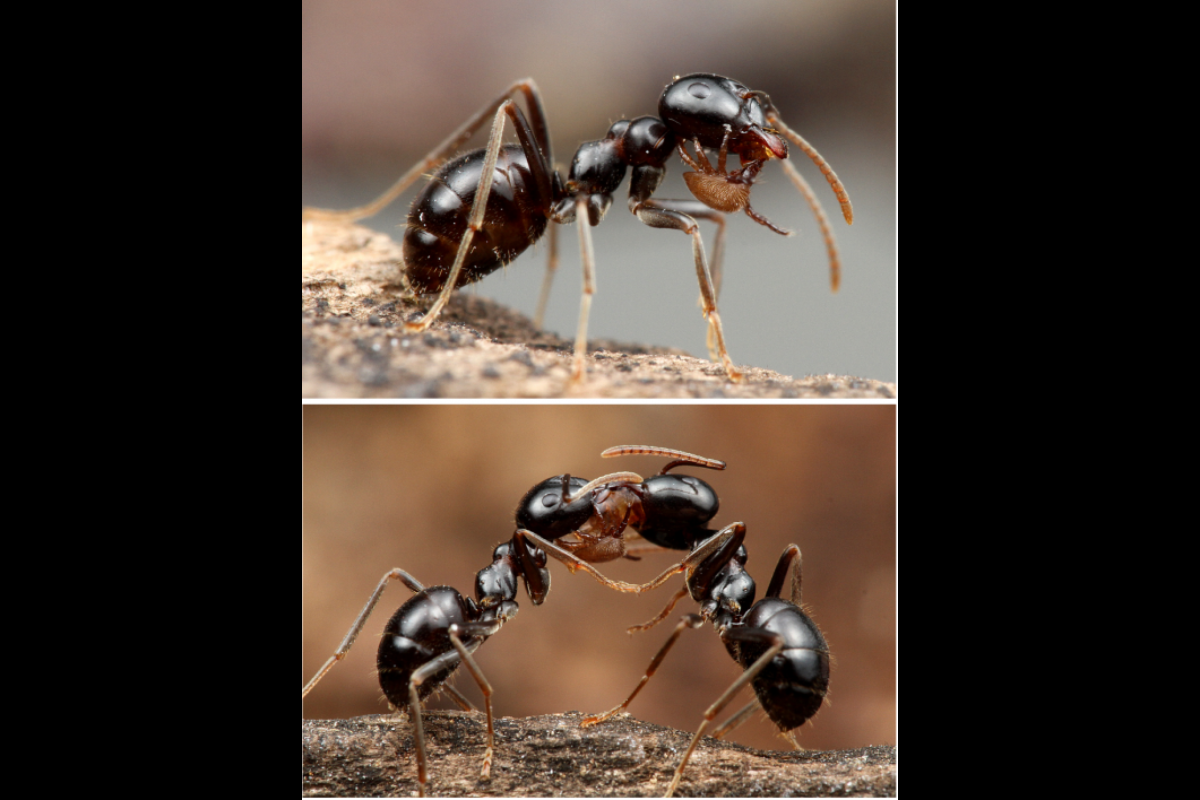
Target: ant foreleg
[(687, 621), (662, 214), (573, 564)]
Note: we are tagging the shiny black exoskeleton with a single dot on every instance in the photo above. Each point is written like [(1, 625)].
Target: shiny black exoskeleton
[(437, 629), (781, 650), (485, 207), (419, 633), (790, 686), (670, 511)]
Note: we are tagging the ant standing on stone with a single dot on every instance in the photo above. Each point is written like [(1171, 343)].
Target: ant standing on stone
[(485, 207)]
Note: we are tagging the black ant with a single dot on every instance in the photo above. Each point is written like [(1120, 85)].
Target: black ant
[(781, 649), (433, 632), (505, 195), (437, 629), (589, 519)]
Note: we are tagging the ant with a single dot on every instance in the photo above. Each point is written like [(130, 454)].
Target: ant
[(781, 649), (427, 638), (504, 196), (588, 519), (437, 629)]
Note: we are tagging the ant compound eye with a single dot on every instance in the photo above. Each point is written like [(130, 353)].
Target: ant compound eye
[(549, 500), (700, 91)]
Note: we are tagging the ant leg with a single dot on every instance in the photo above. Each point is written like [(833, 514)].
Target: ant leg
[(734, 722), (458, 698), (539, 316), (414, 701), (573, 563), (687, 621), (535, 153), (650, 623), (709, 557), (475, 222), (723, 701), (484, 686), (440, 153), (356, 628), (790, 556), (665, 214), (588, 257)]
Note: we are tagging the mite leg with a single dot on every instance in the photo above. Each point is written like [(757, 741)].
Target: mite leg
[(356, 628)]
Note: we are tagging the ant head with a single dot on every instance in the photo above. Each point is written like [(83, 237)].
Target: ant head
[(544, 509), (700, 106)]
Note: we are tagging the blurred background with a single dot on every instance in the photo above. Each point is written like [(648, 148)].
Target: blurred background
[(432, 489), (384, 82)]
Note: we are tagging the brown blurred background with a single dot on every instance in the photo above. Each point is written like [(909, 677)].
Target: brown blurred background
[(432, 489), (383, 82)]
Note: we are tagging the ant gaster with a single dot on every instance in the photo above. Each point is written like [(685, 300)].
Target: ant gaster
[(781, 649), (484, 208)]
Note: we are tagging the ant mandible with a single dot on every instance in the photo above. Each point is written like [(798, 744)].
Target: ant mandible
[(781, 649), (505, 195)]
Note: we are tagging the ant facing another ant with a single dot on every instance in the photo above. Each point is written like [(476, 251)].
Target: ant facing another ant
[(781, 650), (485, 207)]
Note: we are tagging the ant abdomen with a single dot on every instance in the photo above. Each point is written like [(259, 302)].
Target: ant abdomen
[(515, 218), (676, 509), (792, 687), (416, 634)]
